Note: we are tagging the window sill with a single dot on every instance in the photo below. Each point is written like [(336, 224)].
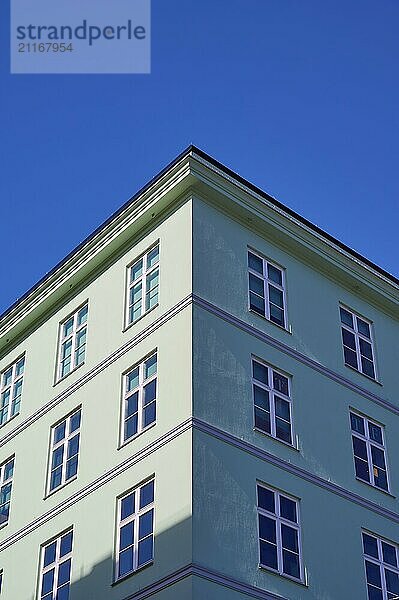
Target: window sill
[(286, 329), (363, 374), (271, 437), (68, 374), (138, 570), (3, 525), (374, 487), (284, 575), (126, 327), (60, 487), (134, 437)]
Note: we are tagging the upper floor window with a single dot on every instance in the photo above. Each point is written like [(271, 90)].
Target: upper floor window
[(272, 402), (72, 344), (139, 398), (143, 285), (55, 568), (11, 380), (369, 451), (64, 455), (279, 533), (381, 560), (135, 535), (358, 342), (266, 289), (6, 474)]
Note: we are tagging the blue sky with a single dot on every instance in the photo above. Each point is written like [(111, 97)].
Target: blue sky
[(300, 97)]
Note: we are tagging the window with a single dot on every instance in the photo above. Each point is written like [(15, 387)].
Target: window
[(357, 342), (369, 451), (6, 474), (135, 539), (139, 398), (381, 564), (279, 533), (11, 390), (272, 402), (55, 568), (72, 349), (143, 285), (266, 289), (64, 457)]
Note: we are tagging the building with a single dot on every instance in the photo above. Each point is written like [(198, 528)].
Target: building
[(200, 401)]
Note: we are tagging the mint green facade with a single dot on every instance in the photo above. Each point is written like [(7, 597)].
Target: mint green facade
[(203, 450)]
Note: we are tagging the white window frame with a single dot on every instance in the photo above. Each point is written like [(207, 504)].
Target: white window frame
[(134, 517), (64, 442), (5, 482), (76, 330), (370, 442), (140, 405), (15, 380), (358, 336), (280, 520), (57, 563), (272, 401), (380, 563), (143, 279), (266, 282)]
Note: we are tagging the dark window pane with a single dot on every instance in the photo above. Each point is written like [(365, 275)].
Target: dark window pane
[(283, 430), (375, 432), (71, 467), (132, 404), (274, 274), (350, 358), (147, 494), (348, 339), (266, 499), (374, 593), (378, 457), (146, 525), (149, 415), (64, 572), (63, 593), (280, 383), (359, 447), (262, 420), (47, 582), (282, 408), (276, 296), (288, 509), (373, 574), (75, 421), (255, 263), (58, 454), (73, 446), (267, 529), (59, 432), (131, 427), (365, 349), (380, 478), (289, 538), (55, 479), (150, 391), (362, 469), (357, 423), (346, 317), (66, 544), (291, 564), (260, 372), (145, 550), (127, 507), (261, 398), (126, 536), (49, 554), (150, 366), (368, 367), (392, 580), (257, 304), (370, 545), (363, 327), (276, 315), (256, 285), (268, 555), (125, 562), (389, 554)]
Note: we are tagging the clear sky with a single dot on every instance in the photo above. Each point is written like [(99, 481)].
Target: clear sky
[(301, 97)]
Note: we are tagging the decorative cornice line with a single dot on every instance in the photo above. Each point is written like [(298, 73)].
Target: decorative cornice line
[(97, 483), (194, 570), (268, 339), (293, 469), (169, 314)]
